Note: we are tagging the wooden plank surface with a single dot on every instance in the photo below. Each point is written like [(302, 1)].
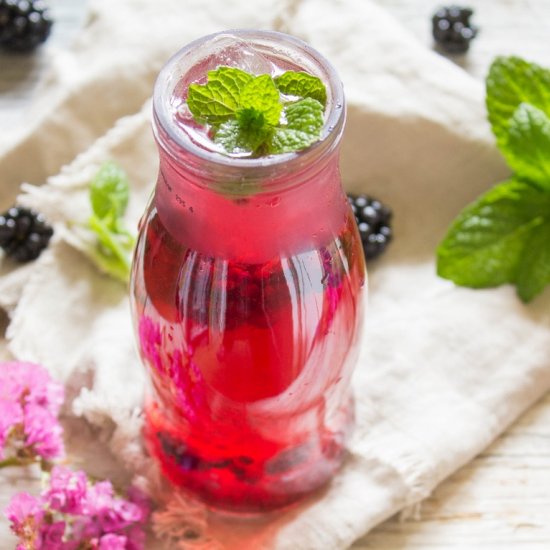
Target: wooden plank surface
[(501, 499)]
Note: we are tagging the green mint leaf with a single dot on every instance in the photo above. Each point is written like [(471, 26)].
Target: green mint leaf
[(510, 82), (534, 266), (113, 253), (228, 136), (218, 99), (303, 85), (488, 241), (109, 192), (527, 146), (244, 110), (261, 95), (504, 236), (304, 120), (246, 134)]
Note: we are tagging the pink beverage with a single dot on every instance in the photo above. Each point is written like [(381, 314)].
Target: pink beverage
[(247, 296)]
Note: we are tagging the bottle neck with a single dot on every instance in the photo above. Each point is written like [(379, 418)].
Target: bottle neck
[(247, 208), (294, 214), (272, 52)]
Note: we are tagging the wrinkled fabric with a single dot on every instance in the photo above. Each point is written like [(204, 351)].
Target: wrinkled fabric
[(442, 370)]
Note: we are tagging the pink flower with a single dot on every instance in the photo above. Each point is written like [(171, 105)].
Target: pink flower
[(52, 535), (119, 516), (30, 383), (73, 514), (25, 514), (22, 506), (43, 432), (30, 401), (100, 496), (112, 513), (11, 414), (68, 491), (140, 499), (112, 542), (136, 537)]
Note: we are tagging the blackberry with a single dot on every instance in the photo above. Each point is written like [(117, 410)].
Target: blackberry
[(452, 30), (373, 220), (23, 233), (24, 24)]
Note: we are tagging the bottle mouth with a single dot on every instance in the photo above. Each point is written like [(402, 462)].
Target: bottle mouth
[(191, 64)]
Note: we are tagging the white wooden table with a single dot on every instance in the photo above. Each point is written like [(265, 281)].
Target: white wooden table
[(501, 500)]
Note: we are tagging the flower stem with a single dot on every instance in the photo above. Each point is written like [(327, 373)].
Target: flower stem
[(12, 461), (16, 461)]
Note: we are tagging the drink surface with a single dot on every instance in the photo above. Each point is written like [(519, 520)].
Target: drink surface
[(230, 51)]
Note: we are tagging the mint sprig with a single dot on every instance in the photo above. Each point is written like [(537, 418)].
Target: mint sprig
[(504, 237), (259, 115), (527, 146), (510, 82), (218, 100), (301, 84), (109, 194), (304, 122)]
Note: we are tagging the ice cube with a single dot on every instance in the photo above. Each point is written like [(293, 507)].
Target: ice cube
[(181, 110), (233, 51)]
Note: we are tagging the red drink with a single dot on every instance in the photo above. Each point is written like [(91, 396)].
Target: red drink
[(247, 301)]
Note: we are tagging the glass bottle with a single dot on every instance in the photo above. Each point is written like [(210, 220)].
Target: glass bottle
[(247, 289)]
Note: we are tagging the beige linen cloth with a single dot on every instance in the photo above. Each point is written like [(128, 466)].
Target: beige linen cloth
[(442, 370)]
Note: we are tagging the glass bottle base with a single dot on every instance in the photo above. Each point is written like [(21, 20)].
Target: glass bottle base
[(251, 485)]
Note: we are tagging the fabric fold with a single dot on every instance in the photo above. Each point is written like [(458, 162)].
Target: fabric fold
[(442, 370)]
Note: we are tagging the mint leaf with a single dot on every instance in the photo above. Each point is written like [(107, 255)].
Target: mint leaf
[(112, 253), (218, 99), (510, 82), (261, 95), (109, 192), (305, 115), (487, 242), (304, 120), (302, 84), (534, 266), (246, 134), (244, 111), (527, 145), (504, 236)]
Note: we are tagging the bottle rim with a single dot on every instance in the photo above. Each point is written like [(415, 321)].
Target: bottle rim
[(175, 141)]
